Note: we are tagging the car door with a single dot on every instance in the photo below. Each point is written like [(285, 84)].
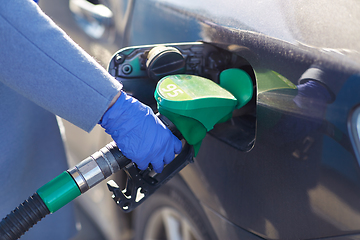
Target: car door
[(103, 23)]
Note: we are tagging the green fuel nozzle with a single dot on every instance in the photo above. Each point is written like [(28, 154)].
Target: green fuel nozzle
[(189, 106), (195, 104)]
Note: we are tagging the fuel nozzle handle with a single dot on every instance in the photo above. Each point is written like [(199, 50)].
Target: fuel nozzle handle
[(66, 187), (106, 162)]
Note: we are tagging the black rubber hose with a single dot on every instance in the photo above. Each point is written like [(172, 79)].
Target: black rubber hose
[(20, 220)]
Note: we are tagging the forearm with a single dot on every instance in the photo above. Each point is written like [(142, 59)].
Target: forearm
[(43, 64)]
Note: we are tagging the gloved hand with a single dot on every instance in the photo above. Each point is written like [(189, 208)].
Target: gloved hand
[(139, 134)]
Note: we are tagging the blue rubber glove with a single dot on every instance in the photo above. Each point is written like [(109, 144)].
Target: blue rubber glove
[(139, 134)]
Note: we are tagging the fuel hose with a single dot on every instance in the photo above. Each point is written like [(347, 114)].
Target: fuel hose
[(63, 189)]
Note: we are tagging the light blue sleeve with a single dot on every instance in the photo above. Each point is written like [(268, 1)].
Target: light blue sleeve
[(39, 61)]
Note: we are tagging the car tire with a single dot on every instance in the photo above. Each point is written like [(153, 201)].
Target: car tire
[(172, 213)]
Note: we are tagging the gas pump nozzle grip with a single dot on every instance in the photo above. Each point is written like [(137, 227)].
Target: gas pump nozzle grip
[(142, 184), (106, 162)]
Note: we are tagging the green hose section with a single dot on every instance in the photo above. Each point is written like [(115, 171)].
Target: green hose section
[(59, 192)]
